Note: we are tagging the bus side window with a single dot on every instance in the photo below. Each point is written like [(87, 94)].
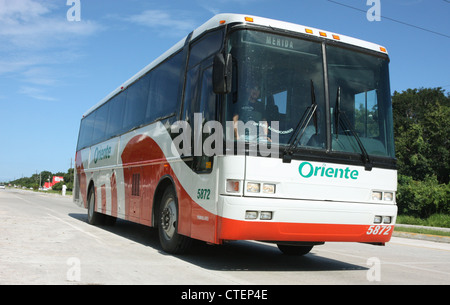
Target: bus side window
[(207, 108), (136, 103)]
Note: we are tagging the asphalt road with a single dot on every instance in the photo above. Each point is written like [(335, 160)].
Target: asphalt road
[(45, 239)]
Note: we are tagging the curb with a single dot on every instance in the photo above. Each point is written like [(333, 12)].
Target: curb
[(428, 237)]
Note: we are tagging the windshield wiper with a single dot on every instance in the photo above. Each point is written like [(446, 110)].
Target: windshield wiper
[(341, 117), (309, 113)]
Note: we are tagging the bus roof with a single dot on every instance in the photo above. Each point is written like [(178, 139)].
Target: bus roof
[(223, 19)]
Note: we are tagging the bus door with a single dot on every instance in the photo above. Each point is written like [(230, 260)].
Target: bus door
[(201, 108)]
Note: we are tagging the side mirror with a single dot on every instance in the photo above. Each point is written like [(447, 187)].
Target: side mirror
[(222, 73)]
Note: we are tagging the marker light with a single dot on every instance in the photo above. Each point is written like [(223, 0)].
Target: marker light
[(269, 188), (336, 37), (233, 186), (323, 34), (382, 49), (222, 21), (309, 31), (253, 187), (249, 19)]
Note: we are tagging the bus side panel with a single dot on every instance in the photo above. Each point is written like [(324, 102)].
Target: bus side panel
[(143, 157), (142, 169), (80, 193)]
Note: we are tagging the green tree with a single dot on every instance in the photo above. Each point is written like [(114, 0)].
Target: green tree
[(422, 133)]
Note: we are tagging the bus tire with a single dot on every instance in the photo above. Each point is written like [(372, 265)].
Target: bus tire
[(171, 241), (294, 250), (94, 218)]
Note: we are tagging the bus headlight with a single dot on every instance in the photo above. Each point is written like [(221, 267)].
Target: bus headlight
[(385, 196), (269, 188), (377, 195), (253, 187), (388, 196)]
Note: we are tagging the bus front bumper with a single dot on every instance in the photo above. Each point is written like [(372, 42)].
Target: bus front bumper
[(303, 221)]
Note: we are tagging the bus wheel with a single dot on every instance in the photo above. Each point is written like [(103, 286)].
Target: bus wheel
[(170, 240), (94, 218), (294, 250)]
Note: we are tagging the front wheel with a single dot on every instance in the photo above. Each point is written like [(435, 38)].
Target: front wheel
[(170, 240)]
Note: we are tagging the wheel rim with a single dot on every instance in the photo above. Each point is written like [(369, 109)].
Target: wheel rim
[(169, 218)]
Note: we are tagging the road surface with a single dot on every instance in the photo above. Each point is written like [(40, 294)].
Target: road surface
[(45, 239)]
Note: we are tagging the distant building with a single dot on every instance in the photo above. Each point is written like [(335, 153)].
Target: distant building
[(55, 180)]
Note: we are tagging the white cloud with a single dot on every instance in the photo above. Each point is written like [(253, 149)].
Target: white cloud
[(36, 93), (20, 10), (167, 23), (36, 39)]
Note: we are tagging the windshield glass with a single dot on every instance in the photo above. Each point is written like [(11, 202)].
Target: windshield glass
[(275, 79), (278, 79), (363, 101)]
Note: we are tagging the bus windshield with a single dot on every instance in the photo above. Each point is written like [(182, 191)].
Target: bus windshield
[(278, 79)]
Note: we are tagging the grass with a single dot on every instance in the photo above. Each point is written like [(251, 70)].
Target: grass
[(436, 220), (422, 231)]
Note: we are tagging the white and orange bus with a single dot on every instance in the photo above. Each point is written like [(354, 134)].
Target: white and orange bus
[(247, 129)]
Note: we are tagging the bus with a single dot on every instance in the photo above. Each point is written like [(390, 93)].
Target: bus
[(247, 129)]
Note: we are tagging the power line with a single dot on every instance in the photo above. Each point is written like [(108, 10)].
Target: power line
[(392, 19)]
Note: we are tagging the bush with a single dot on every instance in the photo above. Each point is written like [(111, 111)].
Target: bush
[(422, 198), (438, 220), (58, 186)]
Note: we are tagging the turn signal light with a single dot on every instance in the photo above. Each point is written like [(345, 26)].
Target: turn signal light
[(233, 186)]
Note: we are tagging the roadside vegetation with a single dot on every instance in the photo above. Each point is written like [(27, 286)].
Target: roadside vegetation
[(422, 139), (37, 181)]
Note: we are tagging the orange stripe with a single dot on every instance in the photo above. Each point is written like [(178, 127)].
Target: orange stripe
[(272, 231)]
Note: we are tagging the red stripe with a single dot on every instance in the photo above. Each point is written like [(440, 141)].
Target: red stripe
[(113, 195), (103, 191)]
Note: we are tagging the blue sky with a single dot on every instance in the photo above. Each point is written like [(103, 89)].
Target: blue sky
[(53, 70)]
